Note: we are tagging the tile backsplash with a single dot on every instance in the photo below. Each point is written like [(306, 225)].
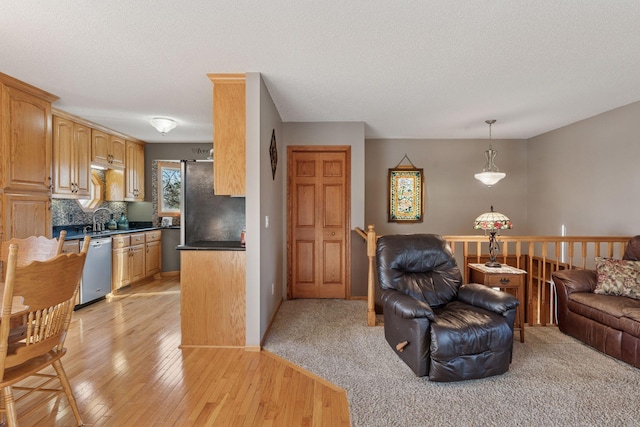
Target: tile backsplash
[(68, 212)]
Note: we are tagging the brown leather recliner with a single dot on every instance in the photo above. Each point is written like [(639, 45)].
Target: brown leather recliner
[(434, 323)]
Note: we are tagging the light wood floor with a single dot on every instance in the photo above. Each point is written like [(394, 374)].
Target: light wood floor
[(126, 369)]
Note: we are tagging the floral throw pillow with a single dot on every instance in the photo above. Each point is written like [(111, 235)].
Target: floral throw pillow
[(618, 277)]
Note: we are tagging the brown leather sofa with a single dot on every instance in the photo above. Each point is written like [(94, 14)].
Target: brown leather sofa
[(610, 324), (434, 323)]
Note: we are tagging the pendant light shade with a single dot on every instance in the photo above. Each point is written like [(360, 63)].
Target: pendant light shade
[(490, 174)]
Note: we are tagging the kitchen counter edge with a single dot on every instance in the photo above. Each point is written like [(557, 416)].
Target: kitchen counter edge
[(212, 246), (80, 236)]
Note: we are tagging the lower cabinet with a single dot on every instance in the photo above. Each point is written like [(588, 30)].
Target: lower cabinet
[(135, 257), (153, 254)]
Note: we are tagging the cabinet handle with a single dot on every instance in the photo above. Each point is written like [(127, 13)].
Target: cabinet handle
[(504, 280)]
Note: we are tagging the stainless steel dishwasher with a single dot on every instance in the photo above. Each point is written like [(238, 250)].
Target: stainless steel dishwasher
[(96, 277)]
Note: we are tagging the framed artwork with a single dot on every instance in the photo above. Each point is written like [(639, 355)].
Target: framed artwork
[(273, 154), (405, 194), (169, 189)]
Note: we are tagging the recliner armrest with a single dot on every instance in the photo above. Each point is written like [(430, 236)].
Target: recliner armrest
[(405, 306), (488, 298)]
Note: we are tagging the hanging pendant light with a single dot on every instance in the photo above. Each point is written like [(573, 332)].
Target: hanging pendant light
[(490, 175)]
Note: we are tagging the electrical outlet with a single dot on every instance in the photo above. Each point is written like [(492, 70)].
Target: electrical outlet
[(273, 289), (266, 221), (70, 217)]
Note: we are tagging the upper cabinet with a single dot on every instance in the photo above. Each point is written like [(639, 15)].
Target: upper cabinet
[(134, 172), (25, 136), (71, 159), (229, 134), (107, 150)]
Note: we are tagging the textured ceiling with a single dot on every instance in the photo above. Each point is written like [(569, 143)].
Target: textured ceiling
[(412, 69)]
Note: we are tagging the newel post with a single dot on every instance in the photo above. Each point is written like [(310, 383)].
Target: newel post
[(371, 253)]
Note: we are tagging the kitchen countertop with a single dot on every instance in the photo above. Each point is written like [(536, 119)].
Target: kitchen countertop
[(212, 246)]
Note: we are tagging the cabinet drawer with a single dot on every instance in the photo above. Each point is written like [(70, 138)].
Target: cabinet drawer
[(510, 280), (137, 239), (71, 247), (153, 236), (120, 242)]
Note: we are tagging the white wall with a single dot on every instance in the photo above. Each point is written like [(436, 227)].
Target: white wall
[(586, 176), (453, 198)]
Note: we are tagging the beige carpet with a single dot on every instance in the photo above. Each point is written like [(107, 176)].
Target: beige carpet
[(554, 380)]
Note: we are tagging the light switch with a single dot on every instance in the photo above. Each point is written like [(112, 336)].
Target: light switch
[(266, 221)]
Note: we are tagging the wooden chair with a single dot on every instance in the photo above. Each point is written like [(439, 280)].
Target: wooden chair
[(32, 249), (44, 293)]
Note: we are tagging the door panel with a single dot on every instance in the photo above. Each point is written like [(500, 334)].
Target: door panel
[(318, 226)]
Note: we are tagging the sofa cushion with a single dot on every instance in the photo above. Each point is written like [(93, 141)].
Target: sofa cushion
[(605, 309), (618, 277)]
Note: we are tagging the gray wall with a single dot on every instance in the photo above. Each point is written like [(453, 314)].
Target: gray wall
[(586, 176), (453, 198), (169, 152), (265, 246), (336, 133)]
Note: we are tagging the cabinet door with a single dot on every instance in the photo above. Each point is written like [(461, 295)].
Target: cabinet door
[(230, 133), (71, 159), (63, 154), (71, 247), (153, 258), (26, 214), (82, 160), (117, 151), (134, 172), (136, 263), (100, 142), (26, 141), (119, 268)]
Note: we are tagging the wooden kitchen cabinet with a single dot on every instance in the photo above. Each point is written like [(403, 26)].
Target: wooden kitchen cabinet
[(26, 214), (134, 172), (229, 124), (120, 262), (71, 159), (25, 159), (107, 150), (212, 298), (128, 261), (25, 136), (153, 255)]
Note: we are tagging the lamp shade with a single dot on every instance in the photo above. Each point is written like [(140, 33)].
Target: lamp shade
[(492, 221), (489, 178), (163, 124)]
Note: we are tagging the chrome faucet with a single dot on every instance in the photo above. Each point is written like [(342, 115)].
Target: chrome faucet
[(96, 226)]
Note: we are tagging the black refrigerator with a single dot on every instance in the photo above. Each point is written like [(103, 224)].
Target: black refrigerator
[(206, 217)]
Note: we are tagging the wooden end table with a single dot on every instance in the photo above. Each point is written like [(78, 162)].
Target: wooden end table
[(503, 277)]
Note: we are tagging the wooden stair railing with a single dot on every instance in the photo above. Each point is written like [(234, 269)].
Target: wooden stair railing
[(540, 256)]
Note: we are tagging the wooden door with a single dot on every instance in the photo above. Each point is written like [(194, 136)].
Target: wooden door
[(318, 195), (117, 147)]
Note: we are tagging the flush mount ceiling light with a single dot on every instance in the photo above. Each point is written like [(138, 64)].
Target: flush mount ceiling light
[(163, 124), (490, 175)]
